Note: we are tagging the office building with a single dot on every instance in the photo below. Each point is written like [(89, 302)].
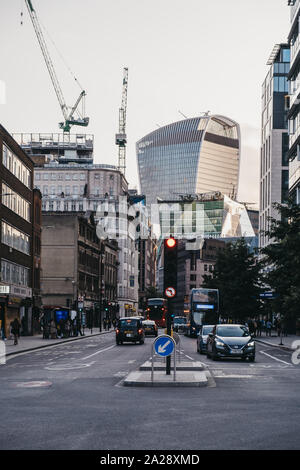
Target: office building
[(193, 156), (20, 237), (294, 111), (274, 163)]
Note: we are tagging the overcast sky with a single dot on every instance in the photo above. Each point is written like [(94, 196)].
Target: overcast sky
[(187, 55)]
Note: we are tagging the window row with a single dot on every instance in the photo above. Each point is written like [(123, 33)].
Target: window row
[(59, 176), (15, 166), (281, 67), (15, 239), (280, 84), (15, 202), (14, 273)]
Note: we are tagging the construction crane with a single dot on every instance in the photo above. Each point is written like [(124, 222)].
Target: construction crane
[(68, 112), (121, 138)]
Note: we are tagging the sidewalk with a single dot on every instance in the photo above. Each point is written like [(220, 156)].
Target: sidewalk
[(275, 341), (30, 343)]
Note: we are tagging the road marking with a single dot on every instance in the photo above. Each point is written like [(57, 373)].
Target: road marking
[(131, 362), (189, 357), (275, 358), (98, 352), (34, 384), (236, 376)]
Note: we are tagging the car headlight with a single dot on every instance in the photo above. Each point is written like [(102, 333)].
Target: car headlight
[(250, 345), (220, 344)]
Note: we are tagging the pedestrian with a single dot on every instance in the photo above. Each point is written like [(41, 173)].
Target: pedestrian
[(279, 327), (79, 328), (53, 330), (254, 328), (109, 324), (15, 330), (114, 323), (2, 330), (269, 328), (259, 327), (67, 328), (104, 323)]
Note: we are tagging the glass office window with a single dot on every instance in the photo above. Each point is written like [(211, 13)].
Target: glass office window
[(16, 166), (15, 202)]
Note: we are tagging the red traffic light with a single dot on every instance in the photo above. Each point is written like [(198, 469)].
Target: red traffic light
[(170, 242)]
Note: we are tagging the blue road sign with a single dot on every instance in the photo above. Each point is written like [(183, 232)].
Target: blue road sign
[(164, 345)]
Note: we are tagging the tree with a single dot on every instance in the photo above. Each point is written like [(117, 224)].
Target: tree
[(152, 293), (237, 276), (282, 257)]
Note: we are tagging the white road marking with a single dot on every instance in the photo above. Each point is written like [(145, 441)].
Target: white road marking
[(236, 376), (275, 358), (131, 362), (189, 357), (98, 352)]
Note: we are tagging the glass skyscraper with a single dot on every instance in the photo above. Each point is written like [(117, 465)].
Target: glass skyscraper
[(192, 156)]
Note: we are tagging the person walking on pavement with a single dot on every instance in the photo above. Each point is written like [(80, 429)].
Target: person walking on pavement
[(53, 332), (109, 324), (15, 329), (104, 324), (259, 327), (79, 327), (269, 328)]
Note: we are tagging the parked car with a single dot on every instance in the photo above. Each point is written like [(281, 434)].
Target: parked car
[(179, 324), (130, 329), (230, 341), (202, 338), (150, 327)]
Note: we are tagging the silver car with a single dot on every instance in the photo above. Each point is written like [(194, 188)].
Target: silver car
[(202, 338)]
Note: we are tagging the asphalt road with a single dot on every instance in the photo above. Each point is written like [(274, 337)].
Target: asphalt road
[(80, 403)]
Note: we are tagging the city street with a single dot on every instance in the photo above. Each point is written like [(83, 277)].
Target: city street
[(80, 402)]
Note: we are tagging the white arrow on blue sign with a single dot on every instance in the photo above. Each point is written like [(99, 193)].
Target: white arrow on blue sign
[(164, 345)]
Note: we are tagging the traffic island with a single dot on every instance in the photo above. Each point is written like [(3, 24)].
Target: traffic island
[(184, 378), (180, 366)]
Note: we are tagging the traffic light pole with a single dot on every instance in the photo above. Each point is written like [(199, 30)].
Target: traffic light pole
[(169, 324)]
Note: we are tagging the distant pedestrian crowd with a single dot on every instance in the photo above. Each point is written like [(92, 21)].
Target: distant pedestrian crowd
[(259, 327)]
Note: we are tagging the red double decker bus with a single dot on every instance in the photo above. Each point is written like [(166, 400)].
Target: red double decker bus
[(157, 311)]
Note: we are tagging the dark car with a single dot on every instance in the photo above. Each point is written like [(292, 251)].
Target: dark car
[(150, 327), (202, 338), (230, 341), (179, 324), (130, 329)]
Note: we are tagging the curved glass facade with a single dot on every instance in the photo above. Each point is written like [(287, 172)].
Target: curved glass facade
[(191, 156)]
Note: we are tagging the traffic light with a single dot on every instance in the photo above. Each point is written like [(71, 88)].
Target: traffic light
[(170, 263)]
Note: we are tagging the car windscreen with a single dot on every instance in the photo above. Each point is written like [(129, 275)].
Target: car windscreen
[(179, 320), (232, 331), (206, 330), (128, 323)]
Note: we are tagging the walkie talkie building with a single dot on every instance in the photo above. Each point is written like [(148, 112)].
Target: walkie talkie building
[(192, 156)]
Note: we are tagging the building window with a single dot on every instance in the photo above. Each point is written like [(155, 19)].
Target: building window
[(16, 166), (14, 273), (285, 149), (15, 239), (284, 185), (15, 202)]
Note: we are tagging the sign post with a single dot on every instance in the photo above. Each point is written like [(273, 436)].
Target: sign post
[(164, 346), (170, 292)]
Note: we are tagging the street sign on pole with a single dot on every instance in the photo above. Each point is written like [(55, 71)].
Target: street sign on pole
[(170, 292), (164, 345)]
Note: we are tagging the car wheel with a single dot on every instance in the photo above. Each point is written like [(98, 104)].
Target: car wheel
[(252, 359)]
